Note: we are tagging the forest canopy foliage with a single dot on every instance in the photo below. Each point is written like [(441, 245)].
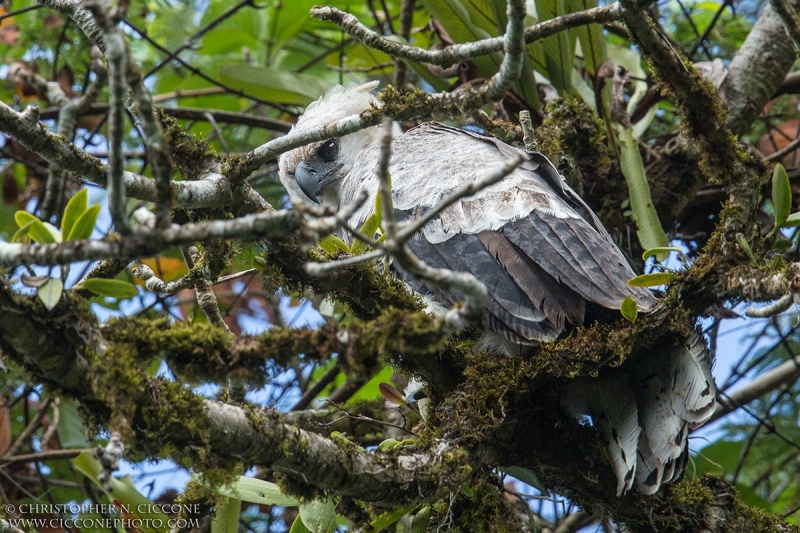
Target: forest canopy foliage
[(157, 303)]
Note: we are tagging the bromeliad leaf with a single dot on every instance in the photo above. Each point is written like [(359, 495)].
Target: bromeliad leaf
[(420, 522), (648, 226), (390, 517), (125, 491), (40, 232), (113, 288), (76, 206), (333, 244), (226, 517), (781, 196), (318, 516), (651, 280), (298, 526), (252, 490), (629, 309), (84, 226), (792, 221), (659, 251), (526, 475), (371, 225), (50, 292)]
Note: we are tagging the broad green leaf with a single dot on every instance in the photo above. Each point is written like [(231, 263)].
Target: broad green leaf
[(781, 195), (318, 516), (113, 288), (420, 522), (252, 490), (648, 227), (370, 226), (71, 431), (22, 232), (40, 232), (629, 309), (124, 490), (50, 292), (388, 444), (84, 226), (333, 244), (76, 206), (371, 388), (590, 37), (792, 220), (559, 49), (718, 458), (274, 85), (390, 517), (746, 247), (226, 517), (656, 251), (298, 526), (651, 280), (526, 475)]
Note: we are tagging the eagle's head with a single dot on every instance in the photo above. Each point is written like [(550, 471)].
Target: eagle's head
[(307, 172)]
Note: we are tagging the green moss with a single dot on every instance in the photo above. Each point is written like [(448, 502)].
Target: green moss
[(481, 507), (190, 156)]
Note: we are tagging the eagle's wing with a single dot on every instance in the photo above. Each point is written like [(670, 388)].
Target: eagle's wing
[(534, 243)]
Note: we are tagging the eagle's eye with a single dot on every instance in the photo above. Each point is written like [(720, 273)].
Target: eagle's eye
[(329, 150)]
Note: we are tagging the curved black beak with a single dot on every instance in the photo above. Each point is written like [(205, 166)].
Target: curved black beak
[(312, 182), (306, 178)]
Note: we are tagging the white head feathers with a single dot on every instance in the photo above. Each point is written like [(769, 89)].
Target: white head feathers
[(339, 102)]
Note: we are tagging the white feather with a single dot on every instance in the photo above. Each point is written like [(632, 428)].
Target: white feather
[(615, 416), (693, 386)]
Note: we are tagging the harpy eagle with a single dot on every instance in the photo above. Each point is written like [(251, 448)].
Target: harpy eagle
[(545, 258)]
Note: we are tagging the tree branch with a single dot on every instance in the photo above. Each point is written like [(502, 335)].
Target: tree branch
[(461, 52)]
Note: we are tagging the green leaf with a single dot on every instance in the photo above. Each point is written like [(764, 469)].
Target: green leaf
[(629, 309), (40, 232), (298, 526), (559, 50), (22, 232), (50, 292), (76, 206), (251, 490), (226, 517), (84, 226), (388, 444), (124, 490), (661, 250), (71, 431), (318, 516), (390, 517), (420, 522), (274, 85), (526, 475), (781, 195), (590, 37), (370, 226), (746, 247), (651, 280), (648, 227), (113, 288), (792, 220), (333, 244)]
